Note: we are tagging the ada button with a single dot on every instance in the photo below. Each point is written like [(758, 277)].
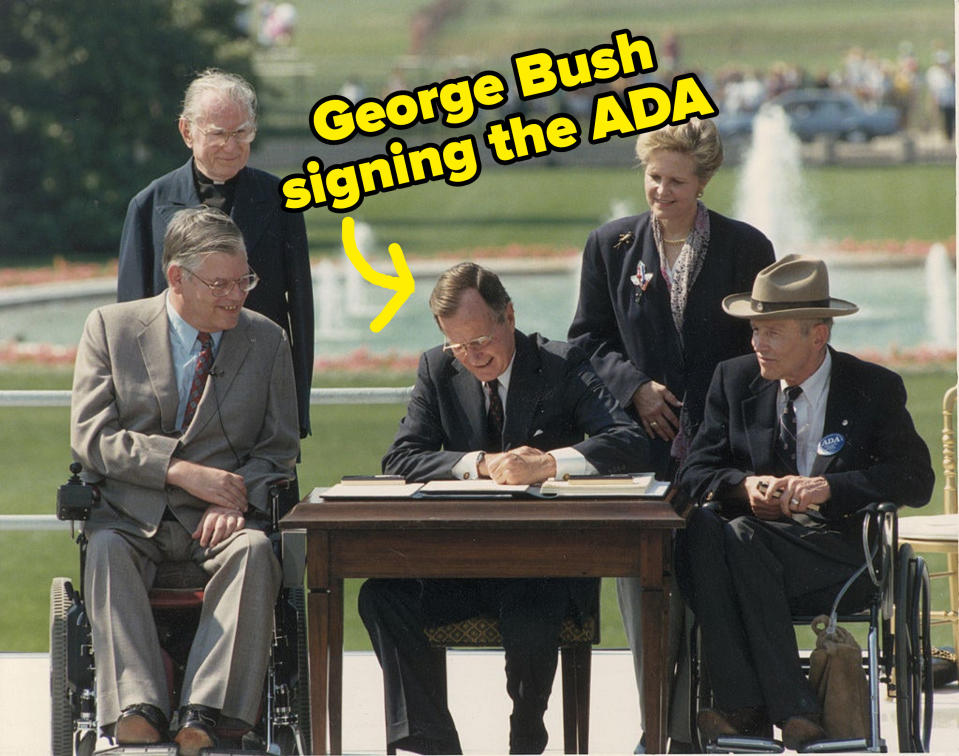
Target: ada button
[(830, 444)]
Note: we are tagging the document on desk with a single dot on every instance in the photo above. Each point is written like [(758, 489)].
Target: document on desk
[(477, 487), (372, 487), (629, 484)]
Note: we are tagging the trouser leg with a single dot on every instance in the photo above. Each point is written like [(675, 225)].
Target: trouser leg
[(394, 612), (230, 652), (531, 614), (629, 594), (129, 665), (714, 601), (793, 570)]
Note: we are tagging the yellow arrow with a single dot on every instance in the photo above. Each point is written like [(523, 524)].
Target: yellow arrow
[(402, 283)]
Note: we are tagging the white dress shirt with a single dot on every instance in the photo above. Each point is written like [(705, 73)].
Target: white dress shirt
[(810, 413), (568, 460)]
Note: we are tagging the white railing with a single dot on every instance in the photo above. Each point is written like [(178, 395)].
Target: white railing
[(61, 398)]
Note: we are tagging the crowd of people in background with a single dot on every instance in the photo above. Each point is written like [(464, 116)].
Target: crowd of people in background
[(924, 96)]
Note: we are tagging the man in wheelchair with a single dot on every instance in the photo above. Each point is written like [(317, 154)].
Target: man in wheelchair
[(795, 440), (183, 414)]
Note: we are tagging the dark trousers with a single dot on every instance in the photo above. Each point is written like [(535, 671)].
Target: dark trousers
[(530, 614), (747, 578)]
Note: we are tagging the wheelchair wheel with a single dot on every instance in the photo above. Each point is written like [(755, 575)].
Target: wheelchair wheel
[(61, 710), (298, 599), (700, 694), (913, 653)]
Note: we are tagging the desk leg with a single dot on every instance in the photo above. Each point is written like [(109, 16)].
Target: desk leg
[(655, 638), (319, 601), (336, 665)]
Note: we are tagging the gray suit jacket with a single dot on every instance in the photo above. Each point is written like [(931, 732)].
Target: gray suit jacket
[(123, 413)]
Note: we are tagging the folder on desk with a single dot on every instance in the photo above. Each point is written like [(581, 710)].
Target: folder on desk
[(372, 487), (629, 484)]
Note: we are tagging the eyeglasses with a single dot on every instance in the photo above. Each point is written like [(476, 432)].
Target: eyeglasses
[(220, 288), (477, 344), (217, 137)]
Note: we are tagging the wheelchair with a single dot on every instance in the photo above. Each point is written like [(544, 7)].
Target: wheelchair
[(176, 598), (898, 650)]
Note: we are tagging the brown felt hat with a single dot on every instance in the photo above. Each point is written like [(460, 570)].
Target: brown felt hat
[(794, 287)]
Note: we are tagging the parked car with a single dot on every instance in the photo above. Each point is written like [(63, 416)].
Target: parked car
[(814, 113), (827, 112)]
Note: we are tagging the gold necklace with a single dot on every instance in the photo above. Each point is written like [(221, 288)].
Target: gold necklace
[(674, 241)]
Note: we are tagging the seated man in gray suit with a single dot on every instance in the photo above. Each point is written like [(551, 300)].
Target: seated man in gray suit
[(797, 438), (184, 411), (491, 403)]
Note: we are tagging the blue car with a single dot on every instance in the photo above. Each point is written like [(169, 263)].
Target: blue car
[(818, 112)]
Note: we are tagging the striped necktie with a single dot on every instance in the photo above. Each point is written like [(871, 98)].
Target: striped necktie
[(203, 363), (787, 430)]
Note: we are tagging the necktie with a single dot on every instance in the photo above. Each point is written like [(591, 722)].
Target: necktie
[(787, 430), (494, 418), (203, 362)]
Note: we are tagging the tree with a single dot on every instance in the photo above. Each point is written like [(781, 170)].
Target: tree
[(90, 91)]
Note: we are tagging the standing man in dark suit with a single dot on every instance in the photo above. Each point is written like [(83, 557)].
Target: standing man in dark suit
[(491, 403), (218, 124), (796, 439), (183, 414)]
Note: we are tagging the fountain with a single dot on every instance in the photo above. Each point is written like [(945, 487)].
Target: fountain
[(770, 193), (940, 281)]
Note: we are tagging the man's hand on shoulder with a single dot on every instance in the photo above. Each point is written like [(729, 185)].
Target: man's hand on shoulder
[(772, 498), (217, 524), (209, 484), (521, 466)]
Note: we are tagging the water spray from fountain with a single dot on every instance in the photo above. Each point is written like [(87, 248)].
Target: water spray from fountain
[(770, 194), (940, 298)]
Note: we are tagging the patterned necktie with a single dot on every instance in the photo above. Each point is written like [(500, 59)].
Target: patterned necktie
[(203, 362), (494, 418), (787, 430)]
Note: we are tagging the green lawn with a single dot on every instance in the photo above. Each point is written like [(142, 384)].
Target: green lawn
[(346, 439)]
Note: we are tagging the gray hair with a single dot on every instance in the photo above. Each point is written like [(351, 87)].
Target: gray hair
[(699, 139), (195, 232), (227, 85), (449, 289)]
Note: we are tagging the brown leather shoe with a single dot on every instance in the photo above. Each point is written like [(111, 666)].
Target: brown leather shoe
[(714, 723), (196, 731), (141, 724), (800, 731)]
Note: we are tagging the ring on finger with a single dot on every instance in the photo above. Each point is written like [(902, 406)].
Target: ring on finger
[(794, 502), (653, 424)]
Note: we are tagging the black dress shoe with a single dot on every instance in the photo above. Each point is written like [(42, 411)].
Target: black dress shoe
[(141, 724), (197, 729)]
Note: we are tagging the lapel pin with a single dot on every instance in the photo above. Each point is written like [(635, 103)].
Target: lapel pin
[(641, 280), (830, 444)]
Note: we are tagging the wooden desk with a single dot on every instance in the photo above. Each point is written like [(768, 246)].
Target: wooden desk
[(477, 538)]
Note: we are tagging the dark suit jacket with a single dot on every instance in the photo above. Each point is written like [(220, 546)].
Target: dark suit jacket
[(632, 343), (276, 249), (554, 400), (124, 407), (882, 458)]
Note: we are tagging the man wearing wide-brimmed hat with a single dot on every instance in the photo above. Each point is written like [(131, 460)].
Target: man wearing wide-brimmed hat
[(796, 438)]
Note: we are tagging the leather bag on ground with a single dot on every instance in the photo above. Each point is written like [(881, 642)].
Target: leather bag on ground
[(837, 675)]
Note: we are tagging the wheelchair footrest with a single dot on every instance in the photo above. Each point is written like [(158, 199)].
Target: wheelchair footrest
[(744, 744)]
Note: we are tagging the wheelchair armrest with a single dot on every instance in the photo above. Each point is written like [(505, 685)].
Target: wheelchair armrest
[(284, 494), (76, 498)]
